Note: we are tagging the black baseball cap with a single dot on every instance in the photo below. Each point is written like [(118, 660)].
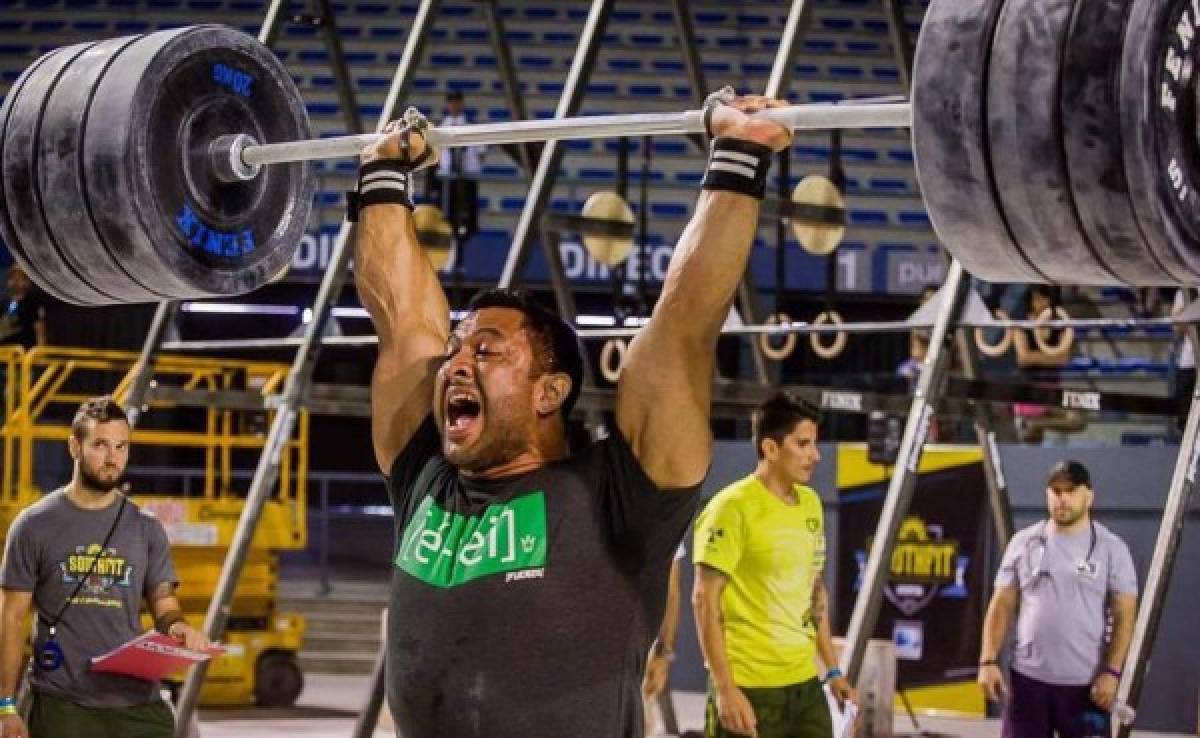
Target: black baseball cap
[(1072, 471)]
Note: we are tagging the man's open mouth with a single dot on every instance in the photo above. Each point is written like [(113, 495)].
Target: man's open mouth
[(462, 411)]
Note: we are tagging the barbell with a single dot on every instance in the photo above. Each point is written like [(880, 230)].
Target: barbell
[(1055, 141)]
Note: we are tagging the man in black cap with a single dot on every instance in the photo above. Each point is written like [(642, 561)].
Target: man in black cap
[(1064, 575)]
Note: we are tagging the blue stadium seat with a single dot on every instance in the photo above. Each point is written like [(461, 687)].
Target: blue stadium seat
[(885, 74), (447, 60), (576, 13), (458, 11), (625, 64), (635, 175), (753, 19), (689, 178), (888, 185), (846, 71), (807, 70), (596, 174), (328, 198), (559, 37), (712, 18), (313, 56), (837, 24), (733, 42), (667, 65), (903, 156), (602, 88), (913, 218), (682, 91), (875, 26), (577, 146), (472, 35), (501, 171), (131, 26), (549, 88), (47, 26), (645, 90), (9, 25), (541, 12), (425, 84), (386, 32), (496, 114), (819, 46), (535, 62), (372, 8), (867, 217), (755, 68), (854, 153), (519, 37), (718, 67), (662, 16), (668, 210), (627, 16), (375, 83), (811, 153), (293, 30), (669, 147), (823, 96), (323, 108), (647, 39), (864, 47)]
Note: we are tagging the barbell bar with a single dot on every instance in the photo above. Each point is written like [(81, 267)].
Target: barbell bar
[(246, 156)]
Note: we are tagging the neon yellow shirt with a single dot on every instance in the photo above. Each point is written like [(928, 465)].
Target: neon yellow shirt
[(772, 553)]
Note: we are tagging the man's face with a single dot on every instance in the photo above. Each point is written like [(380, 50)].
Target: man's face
[(484, 397), (454, 106), (797, 456), (102, 454), (1067, 502)]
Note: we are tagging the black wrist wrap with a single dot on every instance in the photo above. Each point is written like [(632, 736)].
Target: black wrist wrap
[(735, 165), (380, 181)]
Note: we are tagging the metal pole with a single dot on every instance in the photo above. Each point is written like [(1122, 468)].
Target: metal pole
[(143, 371), (689, 49), (985, 434), (368, 719), (901, 48), (590, 39), (337, 63), (266, 474), (930, 384), (807, 117), (1166, 548), (523, 155)]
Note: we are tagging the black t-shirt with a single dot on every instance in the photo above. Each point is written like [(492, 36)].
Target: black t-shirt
[(19, 318), (526, 606)]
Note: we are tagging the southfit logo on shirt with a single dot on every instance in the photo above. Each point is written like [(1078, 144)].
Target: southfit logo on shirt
[(446, 549)]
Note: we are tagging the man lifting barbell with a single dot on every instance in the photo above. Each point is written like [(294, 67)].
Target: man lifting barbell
[(499, 525)]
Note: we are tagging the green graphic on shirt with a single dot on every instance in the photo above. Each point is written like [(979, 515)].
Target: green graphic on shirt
[(447, 549)]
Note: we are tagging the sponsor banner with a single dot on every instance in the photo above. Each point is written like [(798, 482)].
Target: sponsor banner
[(934, 597)]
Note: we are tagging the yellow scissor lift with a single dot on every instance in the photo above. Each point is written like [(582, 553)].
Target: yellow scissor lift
[(43, 387)]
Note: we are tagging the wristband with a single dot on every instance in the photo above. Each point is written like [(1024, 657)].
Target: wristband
[(1111, 671), (163, 622), (7, 702), (382, 181), (10, 710), (735, 165), (989, 662), (832, 674)]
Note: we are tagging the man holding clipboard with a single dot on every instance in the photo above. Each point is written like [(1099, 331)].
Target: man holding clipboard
[(83, 558)]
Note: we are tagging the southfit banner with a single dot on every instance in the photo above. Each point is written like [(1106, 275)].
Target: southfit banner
[(935, 593)]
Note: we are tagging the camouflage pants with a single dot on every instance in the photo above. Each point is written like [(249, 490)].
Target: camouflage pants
[(794, 711)]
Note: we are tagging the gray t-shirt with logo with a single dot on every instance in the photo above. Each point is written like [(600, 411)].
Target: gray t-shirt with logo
[(51, 545), (1061, 622)]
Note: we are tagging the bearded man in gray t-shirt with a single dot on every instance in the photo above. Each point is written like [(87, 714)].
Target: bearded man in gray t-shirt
[(84, 557), (1065, 575)]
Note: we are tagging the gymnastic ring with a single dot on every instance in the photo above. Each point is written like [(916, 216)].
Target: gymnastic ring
[(999, 348), (833, 350), (1041, 336), (612, 356), (784, 350)]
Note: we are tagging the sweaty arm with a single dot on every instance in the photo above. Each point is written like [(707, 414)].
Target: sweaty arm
[(408, 308), (665, 389)]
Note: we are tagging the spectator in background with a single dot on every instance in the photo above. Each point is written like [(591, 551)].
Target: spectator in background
[(1034, 420), (456, 187), (24, 320), (1185, 362), (918, 344)]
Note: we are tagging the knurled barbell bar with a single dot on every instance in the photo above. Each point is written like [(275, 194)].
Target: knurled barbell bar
[(1054, 140)]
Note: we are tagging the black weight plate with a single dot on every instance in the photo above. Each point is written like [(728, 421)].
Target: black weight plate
[(1090, 105), (1024, 136), (11, 237), (64, 194), (950, 140), (174, 92), (21, 194), (1158, 125)]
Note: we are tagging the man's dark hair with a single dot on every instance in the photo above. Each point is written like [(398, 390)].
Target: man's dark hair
[(778, 417), (555, 343), (1071, 471), (98, 409), (454, 95)]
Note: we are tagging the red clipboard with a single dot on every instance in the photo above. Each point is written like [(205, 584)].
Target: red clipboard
[(152, 656)]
